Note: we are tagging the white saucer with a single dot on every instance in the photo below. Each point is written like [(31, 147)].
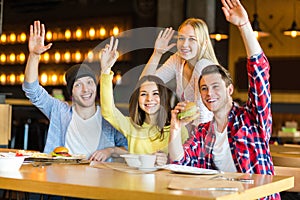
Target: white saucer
[(148, 169)]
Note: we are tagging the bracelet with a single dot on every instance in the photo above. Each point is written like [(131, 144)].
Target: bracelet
[(243, 24)]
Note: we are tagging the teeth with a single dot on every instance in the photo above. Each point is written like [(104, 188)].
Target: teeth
[(150, 105), (86, 96), (184, 51)]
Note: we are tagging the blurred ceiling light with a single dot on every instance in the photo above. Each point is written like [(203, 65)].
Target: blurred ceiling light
[(54, 78), (90, 56), (218, 36), (3, 38), (67, 56), (12, 57), (78, 33), (46, 57), (92, 32), (67, 34), (115, 31), (23, 37), (3, 58), (255, 24), (22, 57), (102, 32), (21, 78), (3, 79), (49, 35), (77, 56), (12, 79), (44, 78), (57, 57), (293, 31), (12, 37)]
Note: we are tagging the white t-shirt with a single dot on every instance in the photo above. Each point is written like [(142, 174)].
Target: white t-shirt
[(221, 153), (83, 135), (173, 68)]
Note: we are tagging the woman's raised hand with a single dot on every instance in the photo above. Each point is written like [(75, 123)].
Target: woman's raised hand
[(36, 39), (162, 42), (234, 12), (109, 55)]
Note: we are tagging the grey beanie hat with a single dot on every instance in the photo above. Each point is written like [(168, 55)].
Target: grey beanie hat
[(78, 71)]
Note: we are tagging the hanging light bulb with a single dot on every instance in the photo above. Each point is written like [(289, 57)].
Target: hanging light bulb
[(68, 34), (3, 38), (44, 78), (12, 37), (218, 36), (115, 31), (3, 58), (293, 31), (78, 34), (67, 56), (255, 24), (49, 35), (46, 57), (3, 79), (22, 37), (102, 32), (92, 33)]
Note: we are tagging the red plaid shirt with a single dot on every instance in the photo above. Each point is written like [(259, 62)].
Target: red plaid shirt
[(249, 129)]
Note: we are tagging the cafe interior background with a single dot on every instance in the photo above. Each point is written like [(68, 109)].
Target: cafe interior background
[(76, 27)]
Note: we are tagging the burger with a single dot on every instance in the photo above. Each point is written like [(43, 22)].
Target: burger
[(61, 151), (189, 113)]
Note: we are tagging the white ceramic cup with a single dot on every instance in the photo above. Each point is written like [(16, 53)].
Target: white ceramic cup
[(147, 161)]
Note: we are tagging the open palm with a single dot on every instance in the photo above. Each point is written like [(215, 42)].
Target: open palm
[(36, 39)]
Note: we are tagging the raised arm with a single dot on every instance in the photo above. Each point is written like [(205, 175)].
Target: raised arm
[(109, 56), (161, 46), (36, 48), (236, 14)]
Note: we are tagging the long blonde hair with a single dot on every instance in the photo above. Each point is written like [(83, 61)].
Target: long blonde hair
[(202, 34)]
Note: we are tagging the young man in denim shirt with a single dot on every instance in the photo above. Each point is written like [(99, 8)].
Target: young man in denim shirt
[(80, 126)]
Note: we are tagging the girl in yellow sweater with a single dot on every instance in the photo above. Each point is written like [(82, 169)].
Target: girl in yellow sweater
[(148, 124)]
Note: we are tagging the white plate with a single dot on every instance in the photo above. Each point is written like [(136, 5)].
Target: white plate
[(148, 169), (188, 169)]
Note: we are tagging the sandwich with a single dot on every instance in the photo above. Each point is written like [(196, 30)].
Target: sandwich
[(189, 113), (61, 151)]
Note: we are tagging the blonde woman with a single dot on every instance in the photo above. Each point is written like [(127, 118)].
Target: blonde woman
[(194, 52)]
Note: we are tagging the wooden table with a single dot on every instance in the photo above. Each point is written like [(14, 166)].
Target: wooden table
[(287, 162), (84, 181), (287, 156)]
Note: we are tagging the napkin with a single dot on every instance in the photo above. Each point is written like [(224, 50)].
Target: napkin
[(198, 183)]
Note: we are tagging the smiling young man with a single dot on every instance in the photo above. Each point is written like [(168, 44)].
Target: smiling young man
[(80, 126), (237, 139)]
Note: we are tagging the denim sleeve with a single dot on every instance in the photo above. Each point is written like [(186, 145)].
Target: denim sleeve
[(120, 139)]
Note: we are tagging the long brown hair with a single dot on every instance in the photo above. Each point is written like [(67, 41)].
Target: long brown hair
[(138, 116)]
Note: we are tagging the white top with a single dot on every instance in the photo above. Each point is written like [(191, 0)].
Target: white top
[(83, 135), (173, 68), (221, 153)]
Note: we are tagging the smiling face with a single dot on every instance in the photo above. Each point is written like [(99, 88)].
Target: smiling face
[(84, 92), (187, 43), (214, 93), (149, 98)]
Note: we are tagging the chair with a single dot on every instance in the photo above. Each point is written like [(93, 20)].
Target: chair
[(5, 125)]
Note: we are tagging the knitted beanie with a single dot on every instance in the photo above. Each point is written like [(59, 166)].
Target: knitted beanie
[(78, 71)]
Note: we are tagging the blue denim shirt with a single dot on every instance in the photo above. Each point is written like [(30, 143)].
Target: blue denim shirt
[(59, 114)]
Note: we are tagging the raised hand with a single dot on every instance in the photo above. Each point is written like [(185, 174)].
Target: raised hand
[(162, 42), (109, 55), (235, 12), (36, 39)]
